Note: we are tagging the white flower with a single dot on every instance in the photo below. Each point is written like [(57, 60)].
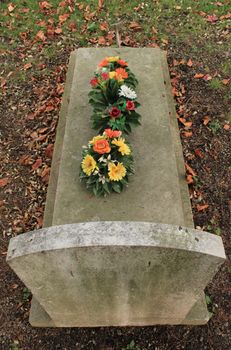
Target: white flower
[(126, 91)]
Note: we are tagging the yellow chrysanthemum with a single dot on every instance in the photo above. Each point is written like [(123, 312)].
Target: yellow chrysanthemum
[(95, 138), (112, 58), (112, 74), (123, 148), (116, 172), (88, 164)]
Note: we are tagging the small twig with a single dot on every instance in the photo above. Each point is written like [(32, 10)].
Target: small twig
[(117, 26)]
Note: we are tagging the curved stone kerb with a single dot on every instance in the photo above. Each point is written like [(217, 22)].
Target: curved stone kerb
[(116, 233)]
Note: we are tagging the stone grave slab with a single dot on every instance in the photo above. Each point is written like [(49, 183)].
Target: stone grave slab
[(94, 260)]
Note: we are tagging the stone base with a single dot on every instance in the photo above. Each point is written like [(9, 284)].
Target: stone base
[(198, 315)]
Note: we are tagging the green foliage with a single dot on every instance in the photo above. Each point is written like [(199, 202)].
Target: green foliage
[(215, 84), (15, 345), (214, 126), (132, 346), (26, 294)]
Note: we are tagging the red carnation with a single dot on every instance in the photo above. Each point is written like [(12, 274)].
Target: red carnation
[(105, 76), (115, 112), (130, 106), (94, 82)]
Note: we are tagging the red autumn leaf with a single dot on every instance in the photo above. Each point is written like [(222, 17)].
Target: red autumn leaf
[(198, 75), (202, 207), (187, 133), (185, 123), (37, 164), (4, 181), (62, 4), (190, 63), (199, 153), (104, 26), (63, 18), (226, 127), (40, 35), (44, 5), (49, 108), (206, 120), (49, 151), (27, 66), (45, 174), (190, 170), (212, 18), (225, 81)]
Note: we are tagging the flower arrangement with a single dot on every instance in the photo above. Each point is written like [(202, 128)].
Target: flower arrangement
[(113, 97), (106, 163), (107, 160)]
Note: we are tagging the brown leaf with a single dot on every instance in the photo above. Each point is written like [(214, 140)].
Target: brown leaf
[(72, 26), (187, 133), (62, 4), (185, 123), (100, 4), (25, 160), (190, 170), (226, 126), (227, 16), (11, 7), (49, 151), (198, 76), (44, 5), (189, 179), (101, 40), (3, 82), (27, 66), (40, 221), (206, 120), (207, 77), (58, 30), (202, 207), (190, 63), (135, 26), (40, 35), (4, 181), (63, 18), (104, 26), (199, 153), (225, 81), (37, 164)]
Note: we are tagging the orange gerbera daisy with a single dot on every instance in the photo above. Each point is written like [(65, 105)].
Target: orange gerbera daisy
[(122, 63), (121, 72), (103, 63)]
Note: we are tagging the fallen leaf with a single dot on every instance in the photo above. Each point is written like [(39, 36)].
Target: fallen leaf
[(104, 26), (62, 4), (206, 120), (189, 179), (185, 123), (226, 126), (190, 63), (212, 18), (40, 35), (27, 66), (199, 153), (190, 170), (101, 40), (135, 26), (202, 207), (187, 133), (49, 151), (207, 77), (100, 4), (11, 7), (227, 16), (4, 181), (3, 82), (58, 30), (44, 5), (25, 160), (40, 221), (72, 26), (63, 18), (225, 81), (198, 76), (37, 164)]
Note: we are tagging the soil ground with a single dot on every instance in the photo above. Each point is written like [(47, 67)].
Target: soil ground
[(32, 79)]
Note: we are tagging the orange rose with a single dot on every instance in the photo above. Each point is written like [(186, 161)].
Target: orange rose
[(122, 73), (112, 133), (101, 146)]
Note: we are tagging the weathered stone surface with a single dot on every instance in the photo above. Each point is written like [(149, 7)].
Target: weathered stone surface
[(157, 191), (117, 273), (98, 273)]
